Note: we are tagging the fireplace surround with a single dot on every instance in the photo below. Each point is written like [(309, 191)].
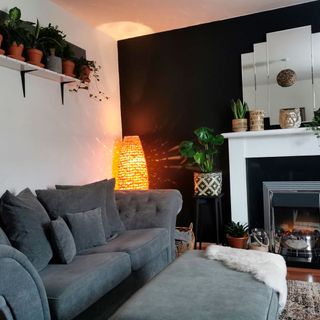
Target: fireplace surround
[(277, 143)]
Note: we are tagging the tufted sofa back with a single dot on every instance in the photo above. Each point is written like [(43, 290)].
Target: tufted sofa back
[(150, 209)]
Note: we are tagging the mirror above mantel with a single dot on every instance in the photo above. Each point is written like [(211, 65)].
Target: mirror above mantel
[(283, 72)]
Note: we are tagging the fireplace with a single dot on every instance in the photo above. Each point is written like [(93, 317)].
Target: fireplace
[(292, 220)]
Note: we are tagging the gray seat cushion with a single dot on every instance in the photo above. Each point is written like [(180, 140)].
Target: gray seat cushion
[(72, 288), (142, 245), (219, 293)]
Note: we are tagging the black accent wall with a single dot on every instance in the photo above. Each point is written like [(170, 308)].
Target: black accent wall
[(174, 82)]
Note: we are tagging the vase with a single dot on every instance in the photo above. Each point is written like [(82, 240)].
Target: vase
[(54, 63), (207, 184), (239, 125), (240, 243), (1, 50), (68, 67), (290, 118), (256, 120), (15, 51), (35, 56)]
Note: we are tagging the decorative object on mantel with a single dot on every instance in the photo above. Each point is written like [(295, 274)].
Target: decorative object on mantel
[(290, 118), (239, 109), (237, 235), (1, 50), (200, 155), (286, 78), (256, 120)]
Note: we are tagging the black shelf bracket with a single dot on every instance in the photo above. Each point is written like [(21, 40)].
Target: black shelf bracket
[(23, 80), (62, 89)]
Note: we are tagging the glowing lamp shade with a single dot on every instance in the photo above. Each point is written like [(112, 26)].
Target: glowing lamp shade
[(132, 167)]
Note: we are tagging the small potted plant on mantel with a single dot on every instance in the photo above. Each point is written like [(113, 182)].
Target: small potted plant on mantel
[(200, 155), (239, 110), (237, 235)]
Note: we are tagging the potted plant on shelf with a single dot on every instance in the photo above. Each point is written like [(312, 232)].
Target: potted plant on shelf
[(237, 234), (15, 31), (53, 46), (34, 43), (200, 155), (2, 52), (239, 110), (84, 69), (68, 58)]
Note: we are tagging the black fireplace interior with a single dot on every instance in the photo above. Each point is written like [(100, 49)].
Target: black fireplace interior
[(301, 168), (296, 226)]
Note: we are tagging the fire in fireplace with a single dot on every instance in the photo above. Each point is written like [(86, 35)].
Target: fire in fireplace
[(292, 220)]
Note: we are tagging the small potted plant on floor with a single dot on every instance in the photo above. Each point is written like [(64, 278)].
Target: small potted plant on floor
[(237, 234), (200, 155), (239, 110)]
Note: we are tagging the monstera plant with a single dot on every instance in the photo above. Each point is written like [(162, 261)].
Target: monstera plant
[(200, 155)]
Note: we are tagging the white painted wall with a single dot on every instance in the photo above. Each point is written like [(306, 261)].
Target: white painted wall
[(43, 142)]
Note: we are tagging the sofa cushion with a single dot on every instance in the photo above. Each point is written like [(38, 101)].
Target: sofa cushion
[(60, 202), (72, 288), (114, 220), (23, 219), (4, 239), (142, 245), (87, 229), (62, 241)]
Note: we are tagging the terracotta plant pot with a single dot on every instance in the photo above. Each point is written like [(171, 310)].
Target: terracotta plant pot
[(1, 50), (35, 56), (15, 51), (240, 243), (239, 125), (68, 68), (85, 74)]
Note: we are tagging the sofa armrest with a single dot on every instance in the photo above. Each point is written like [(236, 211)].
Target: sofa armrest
[(22, 294), (150, 209)]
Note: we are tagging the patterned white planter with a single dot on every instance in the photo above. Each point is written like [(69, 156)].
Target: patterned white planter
[(207, 184)]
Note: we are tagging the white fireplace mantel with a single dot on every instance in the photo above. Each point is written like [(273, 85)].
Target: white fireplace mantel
[(262, 144)]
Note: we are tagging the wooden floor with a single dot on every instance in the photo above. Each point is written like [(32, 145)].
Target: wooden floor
[(302, 274)]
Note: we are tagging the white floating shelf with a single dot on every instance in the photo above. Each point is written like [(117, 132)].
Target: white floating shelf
[(24, 67)]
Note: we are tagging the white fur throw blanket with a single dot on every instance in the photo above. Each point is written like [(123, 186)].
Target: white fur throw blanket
[(267, 267)]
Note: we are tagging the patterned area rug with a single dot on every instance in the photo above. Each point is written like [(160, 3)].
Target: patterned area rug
[(303, 301)]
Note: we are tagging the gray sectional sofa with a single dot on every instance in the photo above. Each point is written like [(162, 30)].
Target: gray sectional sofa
[(100, 278)]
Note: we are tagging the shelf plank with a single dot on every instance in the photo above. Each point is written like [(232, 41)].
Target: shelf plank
[(17, 65)]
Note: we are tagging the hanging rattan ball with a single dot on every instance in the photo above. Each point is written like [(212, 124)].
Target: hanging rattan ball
[(286, 78)]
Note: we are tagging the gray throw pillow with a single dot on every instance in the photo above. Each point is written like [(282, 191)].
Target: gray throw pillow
[(62, 241), (24, 220), (87, 229), (114, 220), (60, 202), (4, 239)]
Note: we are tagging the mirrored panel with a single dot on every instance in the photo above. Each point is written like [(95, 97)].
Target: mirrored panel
[(286, 73)]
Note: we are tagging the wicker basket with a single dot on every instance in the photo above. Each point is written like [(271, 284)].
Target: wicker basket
[(181, 245)]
